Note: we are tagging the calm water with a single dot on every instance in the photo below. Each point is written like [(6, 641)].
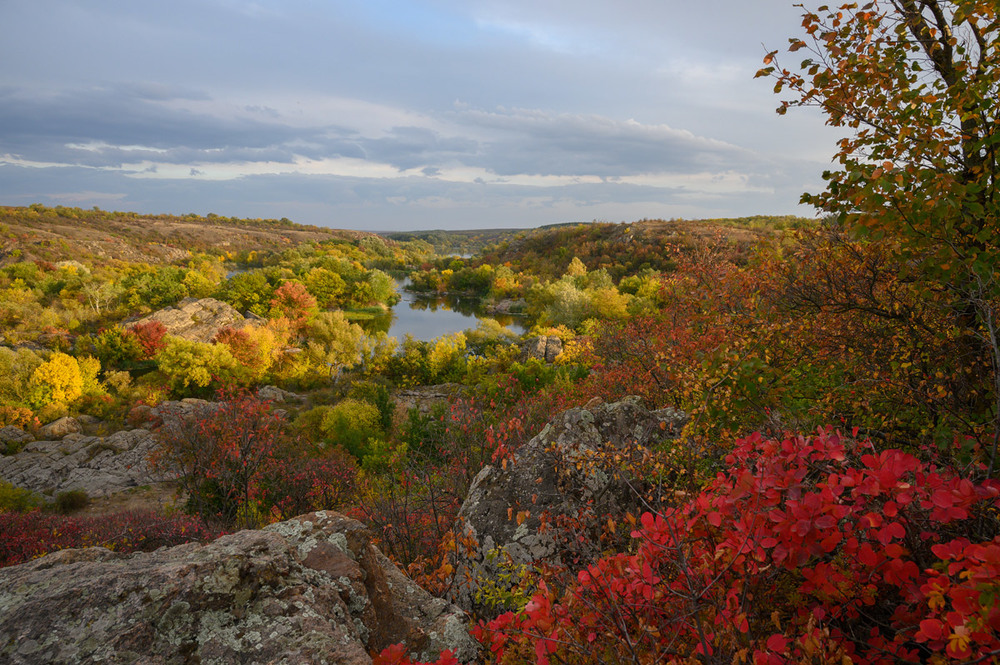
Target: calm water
[(427, 317)]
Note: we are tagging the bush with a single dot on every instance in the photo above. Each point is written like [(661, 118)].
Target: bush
[(240, 468), (56, 380), (194, 364), (32, 534), (18, 499), (807, 549), (352, 424), (223, 455), (71, 501)]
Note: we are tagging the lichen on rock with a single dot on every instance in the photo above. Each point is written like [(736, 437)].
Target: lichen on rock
[(310, 590)]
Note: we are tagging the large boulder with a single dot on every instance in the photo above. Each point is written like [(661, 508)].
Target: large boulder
[(575, 469), (97, 465), (197, 319), (57, 429), (310, 590)]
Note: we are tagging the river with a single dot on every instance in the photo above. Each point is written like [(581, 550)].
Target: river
[(427, 317)]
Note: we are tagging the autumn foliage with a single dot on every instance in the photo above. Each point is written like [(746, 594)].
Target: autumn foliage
[(806, 549), (28, 535), (238, 467)]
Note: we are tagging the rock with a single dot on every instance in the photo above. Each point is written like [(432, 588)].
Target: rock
[(507, 306), (97, 465), (555, 475), (545, 347), (57, 429), (424, 398), (310, 590), (276, 394), (15, 435), (197, 319)]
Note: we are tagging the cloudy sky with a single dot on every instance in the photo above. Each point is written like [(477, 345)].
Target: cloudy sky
[(395, 114)]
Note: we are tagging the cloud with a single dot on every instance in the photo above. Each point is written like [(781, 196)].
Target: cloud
[(345, 113), (136, 127), (410, 202), (539, 142)]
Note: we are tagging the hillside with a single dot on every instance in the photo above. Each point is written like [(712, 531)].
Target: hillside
[(60, 233), (625, 249)]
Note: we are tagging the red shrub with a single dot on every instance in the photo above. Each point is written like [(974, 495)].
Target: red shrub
[(807, 549), (150, 335), (33, 534)]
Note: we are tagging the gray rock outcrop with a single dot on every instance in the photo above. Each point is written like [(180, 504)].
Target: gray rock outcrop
[(511, 516), (15, 435), (545, 347), (197, 319), (425, 398), (278, 395), (310, 590), (97, 465)]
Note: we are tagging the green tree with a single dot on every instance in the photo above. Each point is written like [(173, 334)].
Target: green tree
[(248, 291), (334, 342), (197, 364), (326, 286)]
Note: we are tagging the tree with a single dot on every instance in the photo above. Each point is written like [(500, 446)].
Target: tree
[(916, 83), (326, 286), (56, 380), (294, 302), (188, 363), (334, 342)]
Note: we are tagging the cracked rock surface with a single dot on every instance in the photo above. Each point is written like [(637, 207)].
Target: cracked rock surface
[(310, 590), (512, 513)]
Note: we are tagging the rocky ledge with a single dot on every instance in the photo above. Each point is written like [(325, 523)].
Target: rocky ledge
[(309, 590), (510, 518)]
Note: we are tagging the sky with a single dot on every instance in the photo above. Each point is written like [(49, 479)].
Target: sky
[(393, 115)]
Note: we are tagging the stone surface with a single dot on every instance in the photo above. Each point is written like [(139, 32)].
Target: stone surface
[(310, 590), (97, 465), (197, 319), (424, 398), (559, 473), (507, 306), (57, 429), (276, 394), (544, 347), (11, 434)]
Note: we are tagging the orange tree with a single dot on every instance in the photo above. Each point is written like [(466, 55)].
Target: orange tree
[(915, 84)]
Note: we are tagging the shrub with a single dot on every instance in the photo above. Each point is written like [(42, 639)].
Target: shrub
[(352, 424), (32, 534), (71, 501), (222, 456), (187, 363), (18, 499), (149, 335), (239, 467), (807, 549)]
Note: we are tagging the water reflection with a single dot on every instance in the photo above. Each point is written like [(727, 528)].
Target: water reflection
[(427, 317)]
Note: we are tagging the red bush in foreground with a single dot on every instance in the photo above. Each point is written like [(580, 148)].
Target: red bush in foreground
[(33, 534), (803, 550)]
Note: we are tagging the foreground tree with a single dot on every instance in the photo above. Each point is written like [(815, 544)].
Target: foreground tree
[(916, 82)]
